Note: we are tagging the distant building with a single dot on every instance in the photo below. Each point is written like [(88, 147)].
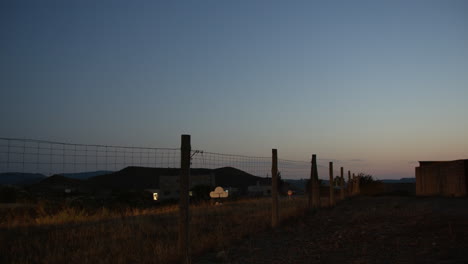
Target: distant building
[(169, 185), (232, 190), (262, 188), (445, 178)]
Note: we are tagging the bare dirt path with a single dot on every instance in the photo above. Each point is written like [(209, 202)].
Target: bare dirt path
[(362, 230)]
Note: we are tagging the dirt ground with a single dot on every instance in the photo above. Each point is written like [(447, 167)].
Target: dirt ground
[(362, 230)]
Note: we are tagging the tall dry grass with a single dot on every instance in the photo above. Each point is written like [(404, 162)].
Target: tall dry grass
[(73, 235)]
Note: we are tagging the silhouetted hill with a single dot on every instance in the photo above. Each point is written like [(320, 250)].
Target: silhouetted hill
[(58, 182), (148, 178), (402, 180), (232, 177), (19, 178), (137, 178), (130, 178), (85, 175)]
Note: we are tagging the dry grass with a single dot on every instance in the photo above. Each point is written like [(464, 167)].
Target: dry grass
[(36, 235)]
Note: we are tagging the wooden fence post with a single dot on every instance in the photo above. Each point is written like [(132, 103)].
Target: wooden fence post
[(315, 190), (350, 185), (184, 183), (311, 186), (274, 189), (358, 185), (332, 187), (342, 194), (354, 184)]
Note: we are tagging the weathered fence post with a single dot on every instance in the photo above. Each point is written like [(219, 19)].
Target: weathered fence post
[(184, 182), (354, 184), (350, 185), (274, 189), (312, 183), (332, 187), (315, 190), (358, 185), (342, 184)]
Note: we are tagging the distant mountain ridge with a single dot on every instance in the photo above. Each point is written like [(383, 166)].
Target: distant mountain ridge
[(144, 178), (20, 178), (85, 175), (402, 180)]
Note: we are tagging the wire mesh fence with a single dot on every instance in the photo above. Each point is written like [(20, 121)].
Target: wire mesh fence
[(48, 157), (258, 166)]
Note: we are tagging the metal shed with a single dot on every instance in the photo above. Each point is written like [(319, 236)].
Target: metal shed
[(442, 178)]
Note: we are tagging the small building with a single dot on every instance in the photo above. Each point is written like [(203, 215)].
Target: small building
[(169, 185), (155, 193), (232, 191), (262, 188), (444, 178)]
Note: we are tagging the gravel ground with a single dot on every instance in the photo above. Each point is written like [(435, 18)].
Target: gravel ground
[(362, 230)]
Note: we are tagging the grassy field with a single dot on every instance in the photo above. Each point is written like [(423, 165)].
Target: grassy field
[(49, 234)]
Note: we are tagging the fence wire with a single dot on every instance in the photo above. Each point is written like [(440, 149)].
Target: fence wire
[(258, 166), (48, 157)]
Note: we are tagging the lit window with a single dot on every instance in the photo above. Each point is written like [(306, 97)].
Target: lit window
[(155, 196)]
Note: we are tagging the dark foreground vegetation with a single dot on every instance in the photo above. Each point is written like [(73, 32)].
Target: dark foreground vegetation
[(128, 228), (47, 232)]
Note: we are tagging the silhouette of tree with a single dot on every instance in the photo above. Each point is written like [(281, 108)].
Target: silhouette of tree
[(365, 178)]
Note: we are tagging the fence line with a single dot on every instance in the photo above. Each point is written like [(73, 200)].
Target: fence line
[(52, 157), (49, 157)]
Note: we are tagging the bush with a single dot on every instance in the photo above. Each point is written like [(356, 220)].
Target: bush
[(366, 179), (8, 194), (12, 194)]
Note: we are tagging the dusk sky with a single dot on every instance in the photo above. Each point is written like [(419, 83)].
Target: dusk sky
[(374, 85)]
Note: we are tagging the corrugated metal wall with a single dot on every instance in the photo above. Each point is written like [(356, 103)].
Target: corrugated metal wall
[(442, 178)]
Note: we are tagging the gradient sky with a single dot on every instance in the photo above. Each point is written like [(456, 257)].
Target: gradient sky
[(374, 85)]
